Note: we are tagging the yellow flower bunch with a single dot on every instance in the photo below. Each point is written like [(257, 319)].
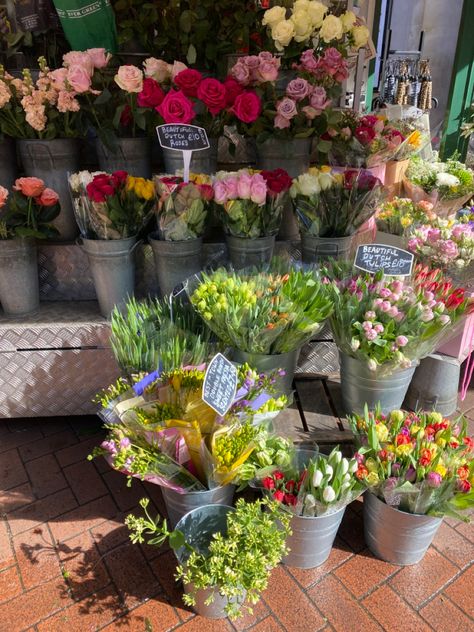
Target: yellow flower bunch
[(144, 189), (415, 139), (200, 178)]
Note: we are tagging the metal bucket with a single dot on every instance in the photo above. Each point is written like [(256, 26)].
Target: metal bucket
[(19, 283), (391, 240), (52, 160), (312, 539), (133, 155), (315, 249), (264, 363), (8, 165), (113, 270), (396, 536), (175, 261), (177, 505), (203, 161), (435, 385), (359, 386), (249, 252)]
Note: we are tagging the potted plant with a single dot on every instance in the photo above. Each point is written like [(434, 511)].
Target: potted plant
[(250, 207), (181, 211), (264, 316), (46, 118), (418, 468), (110, 210), (315, 491), (383, 326), (330, 208), (395, 217), (25, 217), (225, 556)]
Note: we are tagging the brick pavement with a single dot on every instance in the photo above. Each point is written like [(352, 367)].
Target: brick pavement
[(66, 563)]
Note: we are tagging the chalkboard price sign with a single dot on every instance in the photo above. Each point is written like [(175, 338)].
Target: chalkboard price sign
[(220, 384), (182, 137), (393, 261)]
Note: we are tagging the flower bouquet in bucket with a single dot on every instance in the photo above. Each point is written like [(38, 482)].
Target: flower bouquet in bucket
[(398, 215), (418, 467)]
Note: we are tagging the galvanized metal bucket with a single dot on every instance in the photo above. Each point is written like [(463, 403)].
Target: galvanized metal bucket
[(435, 385), (315, 249), (52, 160), (19, 282), (8, 165), (133, 155), (112, 265), (249, 252), (360, 386), (177, 505), (264, 363), (396, 536), (175, 261), (390, 240), (203, 161)]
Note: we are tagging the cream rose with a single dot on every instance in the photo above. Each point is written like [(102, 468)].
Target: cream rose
[(331, 29), (301, 5), (316, 12), (175, 68), (283, 33), (157, 69), (326, 180), (274, 16), (308, 185), (303, 27), (360, 35), (129, 78), (348, 20)]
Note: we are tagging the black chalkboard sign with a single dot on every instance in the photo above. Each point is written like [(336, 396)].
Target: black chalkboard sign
[(393, 261), (182, 137), (220, 384)]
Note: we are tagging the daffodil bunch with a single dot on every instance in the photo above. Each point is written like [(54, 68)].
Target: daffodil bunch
[(417, 462)]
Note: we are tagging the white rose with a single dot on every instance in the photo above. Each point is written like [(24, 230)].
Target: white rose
[(157, 69), (317, 478), (331, 29), (303, 27), (273, 16), (283, 33), (316, 12), (348, 20), (447, 180), (308, 184), (360, 35), (329, 494), (326, 180), (301, 5)]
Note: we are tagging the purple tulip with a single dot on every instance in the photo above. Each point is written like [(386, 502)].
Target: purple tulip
[(410, 474), (433, 479)]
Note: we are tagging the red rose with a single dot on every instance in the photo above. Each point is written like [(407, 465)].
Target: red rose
[(207, 192), (232, 89), (268, 482), (119, 178), (126, 117), (365, 135), (279, 496), (176, 108), (94, 194), (247, 107), (213, 94), (277, 181), (188, 81), (151, 95), (108, 189)]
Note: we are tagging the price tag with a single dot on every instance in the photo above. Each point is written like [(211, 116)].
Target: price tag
[(220, 384), (184, 138), (393, 261)]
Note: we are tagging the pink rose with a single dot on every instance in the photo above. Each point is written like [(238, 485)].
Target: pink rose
[(3, 196), (258, 189), (265, 55), (241, 73), (99, 57), (78, 58), (31, 187), (247, 107), (244, 186), (58, 78), (151, 95), (308, 60), (129, 78), (267, 71), (220, 192), (176, 108), (213, 94), (286, 110), (251, 61), (231, 185), (157, 69), (48, 198), (175, 68), (433, 235), (318, 99), (298, 89), (233, 89), (78, 78)]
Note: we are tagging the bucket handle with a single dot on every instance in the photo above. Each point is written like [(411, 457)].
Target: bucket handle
[(46, 149), (79, 242), (430, 402)]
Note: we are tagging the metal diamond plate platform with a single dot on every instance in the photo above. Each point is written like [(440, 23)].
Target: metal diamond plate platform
[(319, 358)]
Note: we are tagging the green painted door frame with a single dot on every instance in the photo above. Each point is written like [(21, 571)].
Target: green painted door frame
[(461, 93)]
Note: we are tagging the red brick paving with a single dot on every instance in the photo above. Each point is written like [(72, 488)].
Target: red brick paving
[(66, 562)]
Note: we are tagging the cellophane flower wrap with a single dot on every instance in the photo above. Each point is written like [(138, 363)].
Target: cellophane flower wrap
[(166, 434), (329, 204), (324, 485), (389, 323), (250, 203), (414, 137), (111, 206), (264, 312), (419, 463), (398, 215), (182, 207), (441, 181)]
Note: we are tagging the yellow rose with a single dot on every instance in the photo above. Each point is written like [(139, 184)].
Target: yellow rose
[(441, 470), (130, 185), (360, 35), (303, 27), (372, 478), (382, 432), (348, 20), (148, 190), (331, 29), (316, 12), (326, 169), (301, 5), (283, 33), (274, 16)]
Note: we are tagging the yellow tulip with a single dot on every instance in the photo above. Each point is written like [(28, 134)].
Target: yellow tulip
[(372, 478), (381, 431), (404, 449), (441, 470)]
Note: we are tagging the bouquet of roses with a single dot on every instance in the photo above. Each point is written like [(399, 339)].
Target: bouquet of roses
[(250, 203), (417, 462), (391, 323), (323, 486), (398, 214), (414, 137), (329, 204), (31, 209), (182, 207), (263, 312), (439, 181), (111, 206)]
